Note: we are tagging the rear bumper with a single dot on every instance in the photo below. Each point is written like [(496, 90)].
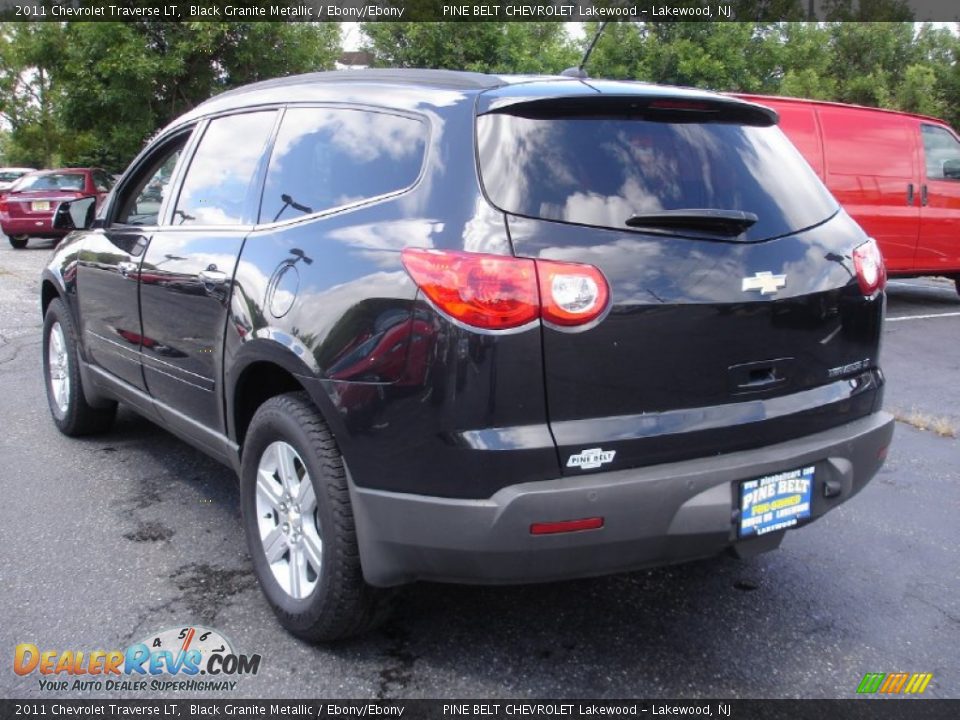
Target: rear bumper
[(34, 227), (652, 516)]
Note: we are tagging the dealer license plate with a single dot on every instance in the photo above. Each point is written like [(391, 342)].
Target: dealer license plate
[(40, 206), (775, 502)]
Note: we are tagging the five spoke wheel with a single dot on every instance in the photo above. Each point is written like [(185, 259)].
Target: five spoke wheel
[(287, 520)]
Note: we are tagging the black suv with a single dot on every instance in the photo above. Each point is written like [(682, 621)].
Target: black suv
[(470, 328)]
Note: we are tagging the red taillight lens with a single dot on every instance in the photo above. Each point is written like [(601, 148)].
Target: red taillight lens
[(498, 292), (3, 203), (868, 263), (490, 292), (571, 294)]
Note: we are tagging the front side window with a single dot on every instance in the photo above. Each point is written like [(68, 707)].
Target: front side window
[(140, 200), (329, 157), (218, 187), (942, 152)]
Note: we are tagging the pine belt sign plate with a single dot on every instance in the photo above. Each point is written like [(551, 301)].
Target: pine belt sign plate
[(775, 502)]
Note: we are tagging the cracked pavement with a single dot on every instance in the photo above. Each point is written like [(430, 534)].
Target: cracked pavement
[(105, 540)]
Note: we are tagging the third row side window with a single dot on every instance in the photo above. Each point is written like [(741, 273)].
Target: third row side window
[(325, 158)]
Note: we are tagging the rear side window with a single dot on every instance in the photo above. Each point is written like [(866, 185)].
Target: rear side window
[(325, 158), (219, 184), (600, 170)]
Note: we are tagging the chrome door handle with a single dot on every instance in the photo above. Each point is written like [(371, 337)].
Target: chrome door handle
[(213, 277)]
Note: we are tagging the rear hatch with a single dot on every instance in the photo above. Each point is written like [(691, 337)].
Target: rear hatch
[(735, 320)]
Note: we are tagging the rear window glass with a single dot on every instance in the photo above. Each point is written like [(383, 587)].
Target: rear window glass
[(602, 170), (328, 157), (55, 181)]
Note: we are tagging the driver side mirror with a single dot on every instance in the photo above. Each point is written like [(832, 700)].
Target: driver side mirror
[(951, 169), (75, 214)]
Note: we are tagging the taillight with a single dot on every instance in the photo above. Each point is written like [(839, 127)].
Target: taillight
[(491, 292), (571, 294), (3, 203), (868, 263), (499, 292)]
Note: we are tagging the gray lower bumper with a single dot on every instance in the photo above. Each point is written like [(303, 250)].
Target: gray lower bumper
[(652, 516)]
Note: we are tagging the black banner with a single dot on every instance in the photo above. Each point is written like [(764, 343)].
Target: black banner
[(477, 10), (860, 709)]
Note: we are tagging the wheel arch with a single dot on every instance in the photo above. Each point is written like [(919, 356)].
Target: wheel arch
[(265, 369), (49, 291)]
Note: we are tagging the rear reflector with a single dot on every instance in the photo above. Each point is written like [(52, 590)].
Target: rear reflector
[(565, 526), (871, 272), (501, 292)]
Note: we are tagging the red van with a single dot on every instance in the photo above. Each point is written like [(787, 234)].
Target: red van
[(896, 174)]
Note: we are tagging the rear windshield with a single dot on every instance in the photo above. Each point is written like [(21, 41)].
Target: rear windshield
[(602, 170), (55, 181)]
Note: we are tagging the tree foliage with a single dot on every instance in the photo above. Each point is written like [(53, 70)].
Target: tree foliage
[(92, 93), (868, 52), (528, 47)]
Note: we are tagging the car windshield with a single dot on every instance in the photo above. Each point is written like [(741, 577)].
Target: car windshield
[(613, 171), (51, 181)]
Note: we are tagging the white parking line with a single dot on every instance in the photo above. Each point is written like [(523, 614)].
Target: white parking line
[(923, 317), (917, 286)]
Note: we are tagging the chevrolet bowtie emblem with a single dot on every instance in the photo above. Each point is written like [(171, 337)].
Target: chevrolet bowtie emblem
[(766, 282)]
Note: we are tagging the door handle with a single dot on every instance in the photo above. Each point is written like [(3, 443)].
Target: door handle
[(909, 193), (213, 277), (923, 195)]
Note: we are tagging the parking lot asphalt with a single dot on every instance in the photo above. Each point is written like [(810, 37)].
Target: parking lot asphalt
[(105, 541)]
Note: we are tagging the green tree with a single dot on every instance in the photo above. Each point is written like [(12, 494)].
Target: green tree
[(123, 81), (528, 47), (721, 55), (92, 93), (30, 56), (918, 91)]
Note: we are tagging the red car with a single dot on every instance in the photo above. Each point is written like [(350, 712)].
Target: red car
[(26, 209)]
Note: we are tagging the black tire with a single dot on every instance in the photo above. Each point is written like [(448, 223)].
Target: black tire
[(18, 242), (341, 604), (76, 417), (956, 281)]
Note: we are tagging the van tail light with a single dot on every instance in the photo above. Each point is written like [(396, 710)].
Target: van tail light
[(3, 203), (500, 292), (871, 272)]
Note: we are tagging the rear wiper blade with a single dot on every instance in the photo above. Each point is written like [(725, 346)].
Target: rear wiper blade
[(720, 222)]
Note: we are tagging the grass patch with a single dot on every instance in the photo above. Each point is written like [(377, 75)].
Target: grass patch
[(942, 426)]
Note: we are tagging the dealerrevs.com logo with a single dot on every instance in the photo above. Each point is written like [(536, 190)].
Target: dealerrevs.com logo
[(171, 660)]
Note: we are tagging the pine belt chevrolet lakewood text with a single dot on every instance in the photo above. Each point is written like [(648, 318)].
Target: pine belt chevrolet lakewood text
[(469, 328)]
